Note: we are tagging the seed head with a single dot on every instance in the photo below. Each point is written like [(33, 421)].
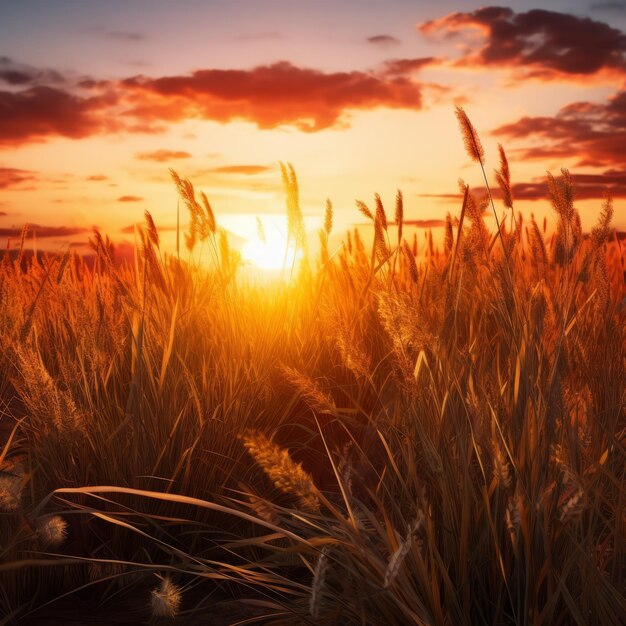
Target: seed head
[(470, 137), (165, 599), (52, 531)]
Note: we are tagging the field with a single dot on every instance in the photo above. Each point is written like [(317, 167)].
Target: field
[(395, 432)]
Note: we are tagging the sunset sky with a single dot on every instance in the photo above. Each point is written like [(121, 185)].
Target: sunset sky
[(98, 100)]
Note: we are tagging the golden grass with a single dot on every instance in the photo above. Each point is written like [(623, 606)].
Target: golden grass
[(432, 438)]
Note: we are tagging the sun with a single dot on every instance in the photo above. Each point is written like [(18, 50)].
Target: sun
[(269, 254), (265, 256)]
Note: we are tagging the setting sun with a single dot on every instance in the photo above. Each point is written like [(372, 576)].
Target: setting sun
[(270, 254)]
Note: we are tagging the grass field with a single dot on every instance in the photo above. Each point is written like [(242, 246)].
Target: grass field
[(392, 433)]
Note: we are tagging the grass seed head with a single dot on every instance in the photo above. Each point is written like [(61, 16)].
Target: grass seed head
[(473, 146), (286, 474), (52, 531), (165, 599), (10, 492)]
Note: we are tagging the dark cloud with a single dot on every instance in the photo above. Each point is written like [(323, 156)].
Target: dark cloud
[(44, 231), (130, 199), (594, 133), (21, 75), (586, 187), (384, 41), (12, 177), (240, 169), (608, 6), (269, 95), (40, 112), (97, 177), (162, 156), (542, 43)]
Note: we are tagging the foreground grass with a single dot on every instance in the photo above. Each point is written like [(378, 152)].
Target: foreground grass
[(454, 420)]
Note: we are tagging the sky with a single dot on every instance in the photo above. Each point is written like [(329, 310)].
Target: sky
[(99, 99)]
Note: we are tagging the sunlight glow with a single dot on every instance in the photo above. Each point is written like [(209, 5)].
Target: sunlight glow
[(269, 254)]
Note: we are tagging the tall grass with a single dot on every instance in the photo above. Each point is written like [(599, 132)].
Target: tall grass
[(385, 438)]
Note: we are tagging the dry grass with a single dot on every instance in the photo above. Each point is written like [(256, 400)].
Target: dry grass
[(434, 438)]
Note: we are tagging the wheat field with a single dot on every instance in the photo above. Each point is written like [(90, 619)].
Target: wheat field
[(395, 432)]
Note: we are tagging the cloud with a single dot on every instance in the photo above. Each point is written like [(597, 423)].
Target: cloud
[(131, 228), (269, 95), (12, 177), (543, 44), (118, 35), (97, 177), (130, 199), (41, 111), (162, 156), (427, 223), (20, 74), (45, 231), (240, 169), (383, 41), (608, 6), (125, 35), (402, 67), (432, 223), (586, 187), (596, 133)]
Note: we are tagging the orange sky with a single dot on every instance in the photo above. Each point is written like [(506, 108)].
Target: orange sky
[(98, 100)]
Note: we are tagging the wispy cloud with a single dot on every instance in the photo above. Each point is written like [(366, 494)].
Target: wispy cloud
[(431, 223), (45, 231), (116, 34), (162, 156), (130, 199), (125, 35), (13, 177), (131, 228), (383, 41), (403, 67), (240, 169)]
